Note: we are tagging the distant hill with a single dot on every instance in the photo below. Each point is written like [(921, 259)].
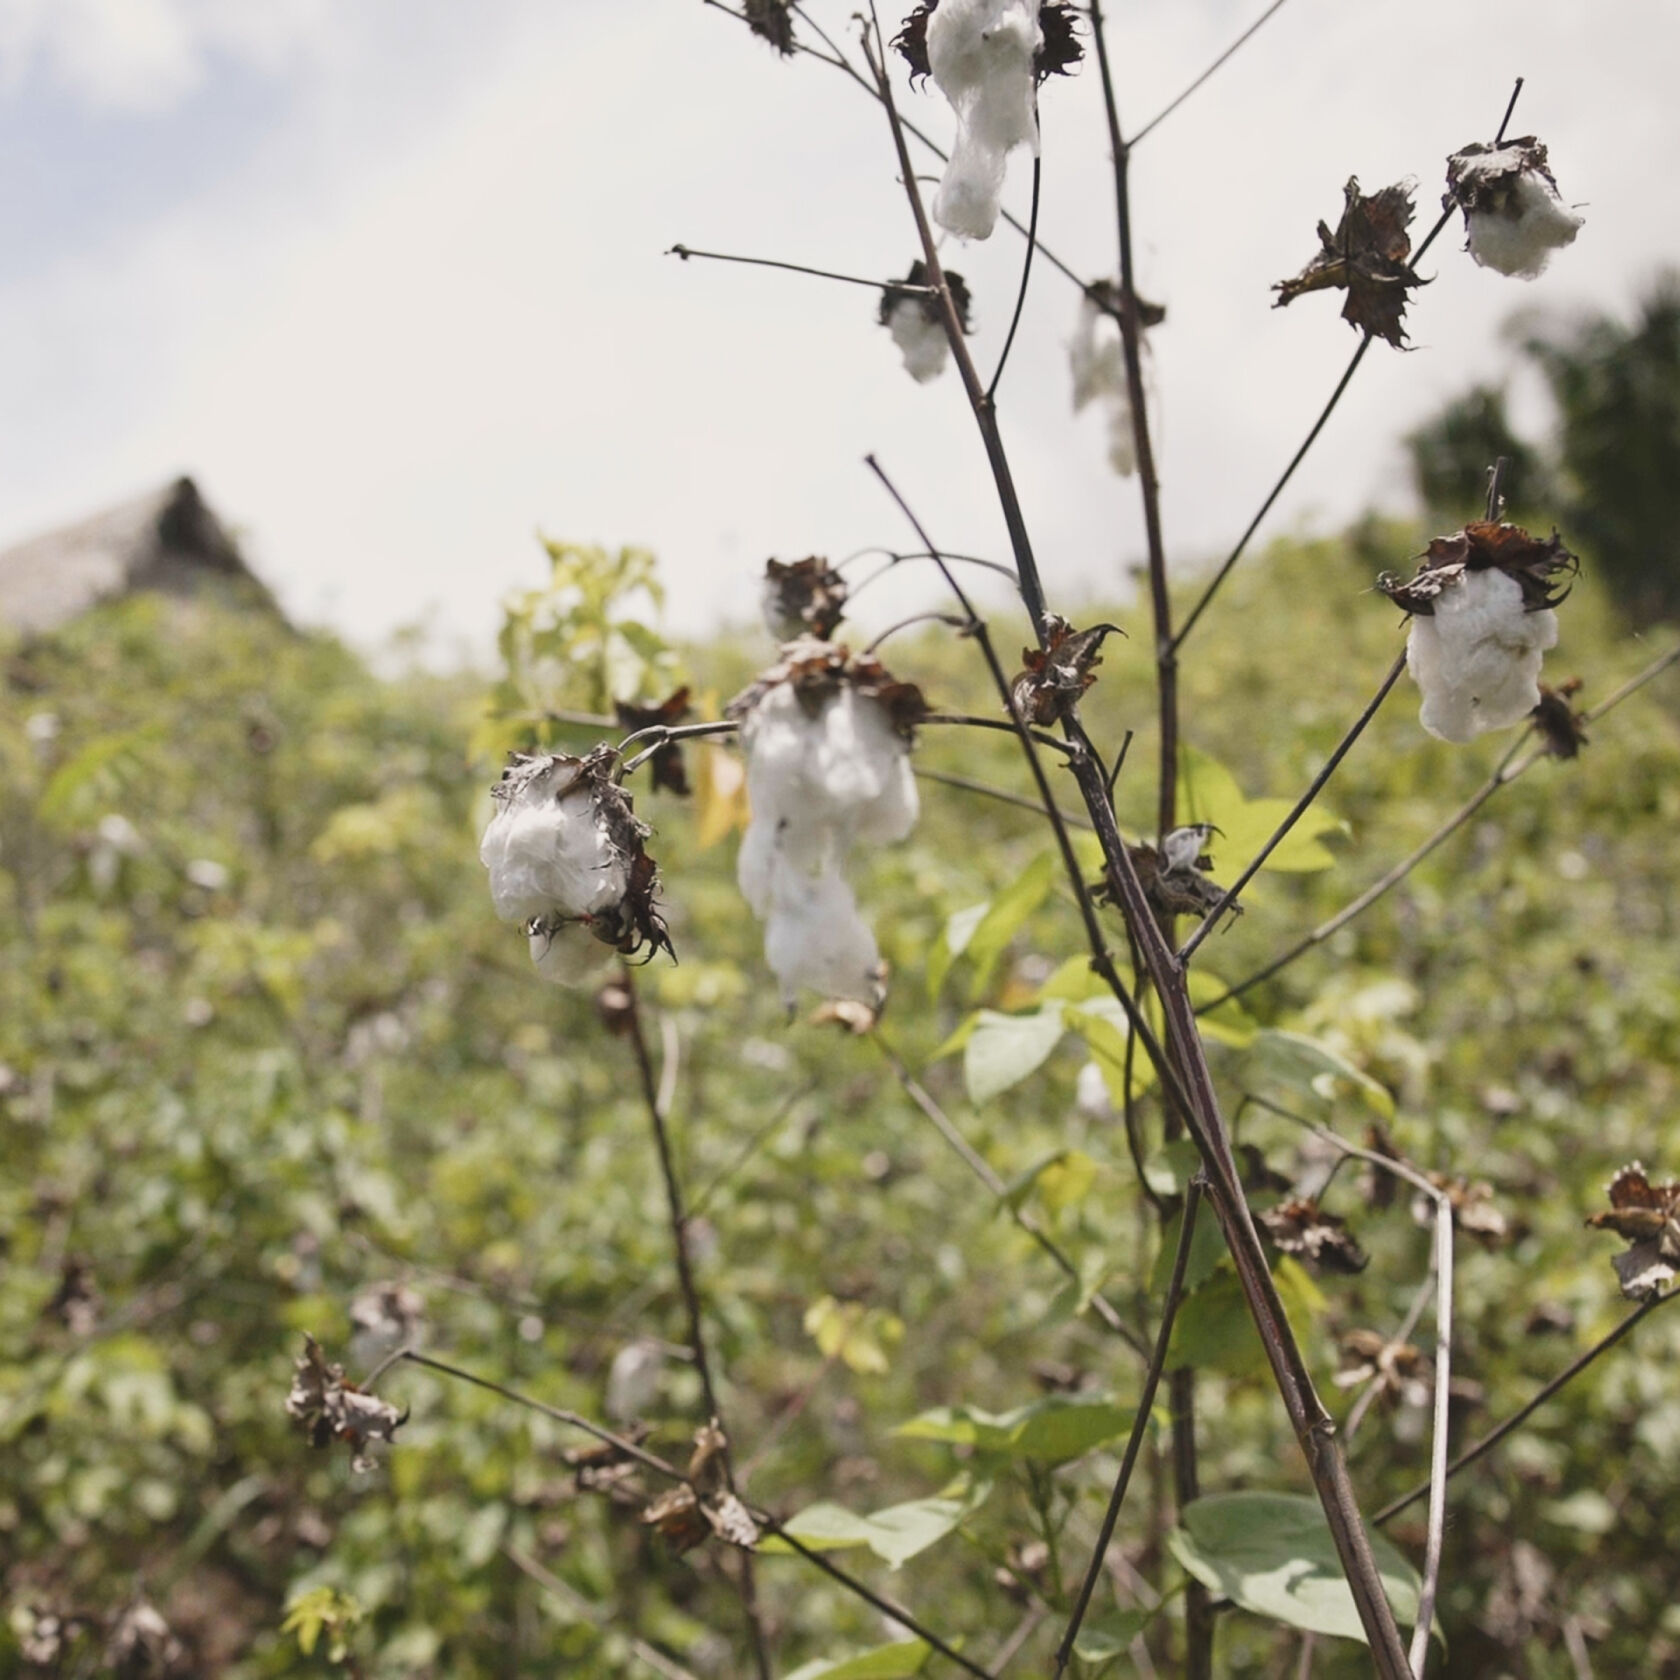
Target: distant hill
[(167, 540)]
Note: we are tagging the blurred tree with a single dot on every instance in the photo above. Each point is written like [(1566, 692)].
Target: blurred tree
[(1617, 390), (1451, 455)]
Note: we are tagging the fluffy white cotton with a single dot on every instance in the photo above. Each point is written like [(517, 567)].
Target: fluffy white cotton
[(1097, 362), (817, 786), (981, 55), (546, 851), (921, 342), (1476, 660), (1519, 235), (816, 940)]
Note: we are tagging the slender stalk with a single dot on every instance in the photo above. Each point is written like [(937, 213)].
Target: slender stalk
[(1026, 274), (897, 287), (691, 1298), (967, 783), (1009, 726), (1241, 41), (1438, 1439), (914, 619), (1521, 1416), (1316, 787), (1140, 1424), (981, 1168), (1149, 487)]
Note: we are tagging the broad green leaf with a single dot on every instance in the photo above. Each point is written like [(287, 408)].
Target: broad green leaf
[(1074, 981), (1170, 1169), (1055, 1429), (1003, 1049), (1007, 915), (952, 942), (885, 1662), (1302, 1066), (1207, 1249), (1214, 1328), (1210, 794), (1271, 1553), (1102, 1638), (894, 1534), (1104, 1027)]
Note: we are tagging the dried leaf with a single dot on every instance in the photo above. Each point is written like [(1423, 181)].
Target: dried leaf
[(1472, 1204), (1171, 892), (331, 1408), (892, 296), (677, 1515), (1557, 723), (1057, 674), (1482, 545), (1366, 257), (1648, 1216), (1483, 177), (772, 21), (1300, 1227), (807, 597), (731, 1521), (710, 1446)]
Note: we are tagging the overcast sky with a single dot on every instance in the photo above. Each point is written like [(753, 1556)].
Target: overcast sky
[(387, 277)]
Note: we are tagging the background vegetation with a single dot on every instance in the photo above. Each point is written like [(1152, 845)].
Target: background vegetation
[(265, 1048)]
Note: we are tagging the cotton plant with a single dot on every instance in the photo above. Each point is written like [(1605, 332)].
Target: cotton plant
[(1514, 217), (1482, 619), (827, 737), (988, 58), (567, 864)]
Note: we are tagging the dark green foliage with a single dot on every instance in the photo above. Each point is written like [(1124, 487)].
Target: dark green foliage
[(1452, 453)]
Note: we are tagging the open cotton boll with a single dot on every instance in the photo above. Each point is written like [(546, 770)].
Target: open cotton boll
[(1518, 236), (921, 341), (1476, 658), (547, 851), (981, 55), (815, 939)]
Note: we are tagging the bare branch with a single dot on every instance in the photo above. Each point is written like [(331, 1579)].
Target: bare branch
[(1241, 41), (898, 287)]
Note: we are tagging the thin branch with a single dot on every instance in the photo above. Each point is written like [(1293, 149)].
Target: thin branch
[(1212, 588), (1026, 274), (969, 785), (969, 720), (1012, 1646), (1315, 787), (982, 1170), (1519, 1417), (593, 1614), (750, 1148), (679, 1224), (659, 735), (559, 1414), (869, 1596), (916, 618), (1242, 40), (896, 287), (1438, 1438), (1140, 1423)]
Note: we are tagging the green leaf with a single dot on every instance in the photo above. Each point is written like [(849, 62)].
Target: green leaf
[(1271, 1553), (1303, 1067), (1003, 1049), (1055, 1429), (1228, 1022), (885, 1662), (1102, 1638), (952, 942), (1007, 915), (1104, 1027), (1207, 1249), (1062, 1179), (894, 1534), (857, 1335), (1211, 794), (1214, 1328)]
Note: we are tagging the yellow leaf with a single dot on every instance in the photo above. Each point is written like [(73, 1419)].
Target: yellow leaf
[(720, 796)]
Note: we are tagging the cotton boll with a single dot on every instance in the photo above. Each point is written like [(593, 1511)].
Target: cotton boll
[(633, 1381), (863, 767), (1476, 659), (981, 55), (1518, 237), (815, 938), (921, 341), (546, 850)]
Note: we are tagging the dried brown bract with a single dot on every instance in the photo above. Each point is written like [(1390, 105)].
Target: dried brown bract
[(1366, 258), (1375, 1185), (1301, 1227), (1173, 889), (892, 296), (817, 670), (803, 597), (1106, 295), (666, 768), (1059, 52), (1486, 545), (676, 1515), (332, 1408), (1557, 723), (1648, 1216), (772, 21), (1400, 1371), (1056, 675)]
